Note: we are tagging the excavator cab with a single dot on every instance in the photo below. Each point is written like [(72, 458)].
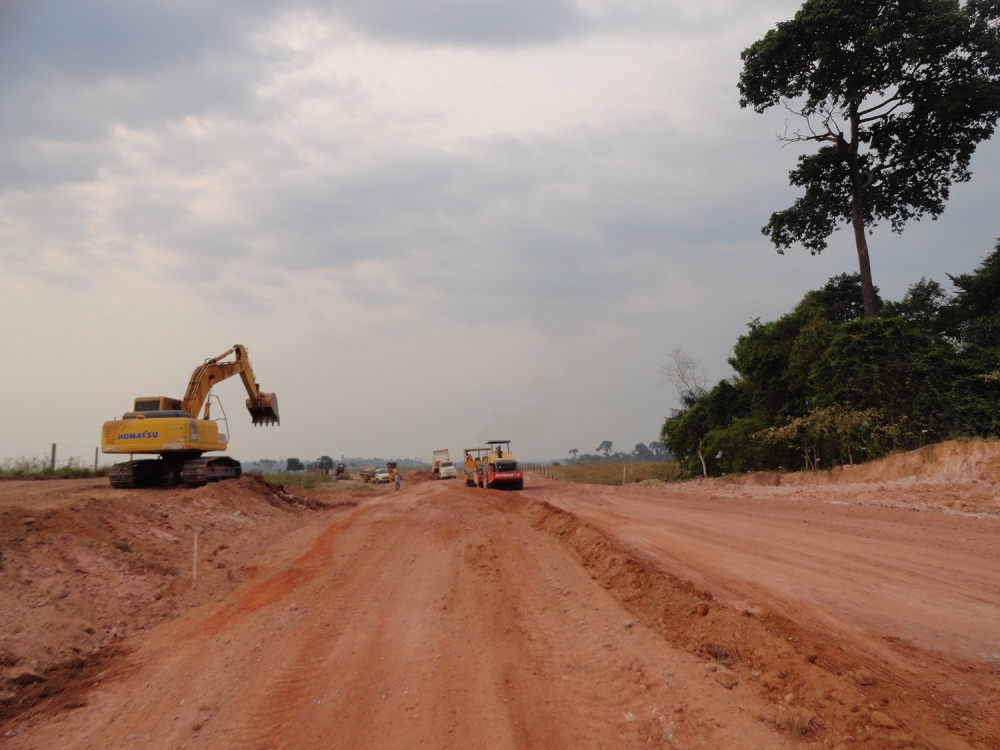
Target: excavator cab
[(157, 403)]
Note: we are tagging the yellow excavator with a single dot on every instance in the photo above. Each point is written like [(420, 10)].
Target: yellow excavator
[(170, 428)]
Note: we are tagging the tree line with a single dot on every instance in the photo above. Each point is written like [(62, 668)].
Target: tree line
[(823, 385), (325, 464), (605, 454)]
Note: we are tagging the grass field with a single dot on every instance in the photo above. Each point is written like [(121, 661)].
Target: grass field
[(318, 482), (612, 473), (38, 468)]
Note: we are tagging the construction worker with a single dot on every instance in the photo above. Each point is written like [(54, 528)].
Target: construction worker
[(399, 478)]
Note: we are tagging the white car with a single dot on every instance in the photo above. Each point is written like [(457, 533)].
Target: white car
[(446, 470), (382, 476)]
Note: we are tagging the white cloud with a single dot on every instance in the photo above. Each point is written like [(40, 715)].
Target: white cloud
[(483, 228)]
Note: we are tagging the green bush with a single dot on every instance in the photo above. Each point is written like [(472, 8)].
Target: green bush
[(820, 386), (37, 468)]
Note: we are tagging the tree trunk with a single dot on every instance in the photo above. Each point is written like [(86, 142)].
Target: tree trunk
[(867, 287), (858, 219), (704, 469)]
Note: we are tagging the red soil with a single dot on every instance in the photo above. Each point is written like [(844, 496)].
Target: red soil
[(716, 614)]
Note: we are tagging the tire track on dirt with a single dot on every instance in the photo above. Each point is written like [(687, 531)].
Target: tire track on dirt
[(606, 675), (600, 654), (341, 597)]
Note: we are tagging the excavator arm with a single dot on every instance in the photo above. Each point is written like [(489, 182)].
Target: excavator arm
[(263, 407)]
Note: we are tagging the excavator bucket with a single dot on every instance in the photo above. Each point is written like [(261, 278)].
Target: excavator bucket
[(266, 410)]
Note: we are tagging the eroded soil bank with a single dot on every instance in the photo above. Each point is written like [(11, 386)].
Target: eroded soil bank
[(85, 569)]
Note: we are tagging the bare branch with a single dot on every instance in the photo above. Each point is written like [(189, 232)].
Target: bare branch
[(831, 131), (685, 374), (883, 114), (894, 98)]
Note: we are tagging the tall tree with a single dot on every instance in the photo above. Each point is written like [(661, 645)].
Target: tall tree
[(642, 452), (898, 93)]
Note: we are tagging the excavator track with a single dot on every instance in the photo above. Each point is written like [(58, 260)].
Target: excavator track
[(148, 473), (201, 471), (122, 476)]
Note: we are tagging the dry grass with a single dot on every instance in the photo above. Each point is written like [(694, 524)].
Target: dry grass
[(305, 480), (612, 473)]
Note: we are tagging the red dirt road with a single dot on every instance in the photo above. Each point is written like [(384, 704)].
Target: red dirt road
[(435, 617), (932, 580), (441, 616)]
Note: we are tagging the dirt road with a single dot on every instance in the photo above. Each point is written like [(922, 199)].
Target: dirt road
[(571, 616), (933, 581)]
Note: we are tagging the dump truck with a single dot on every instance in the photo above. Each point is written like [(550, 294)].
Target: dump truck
[(170, 429), (442, 466)]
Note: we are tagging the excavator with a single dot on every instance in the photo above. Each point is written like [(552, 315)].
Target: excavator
[(170, 429)]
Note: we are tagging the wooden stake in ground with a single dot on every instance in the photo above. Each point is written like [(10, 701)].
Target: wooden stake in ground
[(53, 465), (623, 474), (194, 563)]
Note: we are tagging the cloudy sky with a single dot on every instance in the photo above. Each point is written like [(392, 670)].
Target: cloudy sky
[(432, 222)]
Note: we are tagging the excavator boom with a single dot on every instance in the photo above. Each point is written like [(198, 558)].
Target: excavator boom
[(263, 407)]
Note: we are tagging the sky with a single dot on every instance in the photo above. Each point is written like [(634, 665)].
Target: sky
[(431, 222)]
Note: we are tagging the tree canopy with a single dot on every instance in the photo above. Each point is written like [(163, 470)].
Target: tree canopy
[(898, 93), (816, 386)]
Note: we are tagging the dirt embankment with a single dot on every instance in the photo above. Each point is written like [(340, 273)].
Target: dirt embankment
[(816, 687), (951, 461), (84, 567), (952, 477)]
